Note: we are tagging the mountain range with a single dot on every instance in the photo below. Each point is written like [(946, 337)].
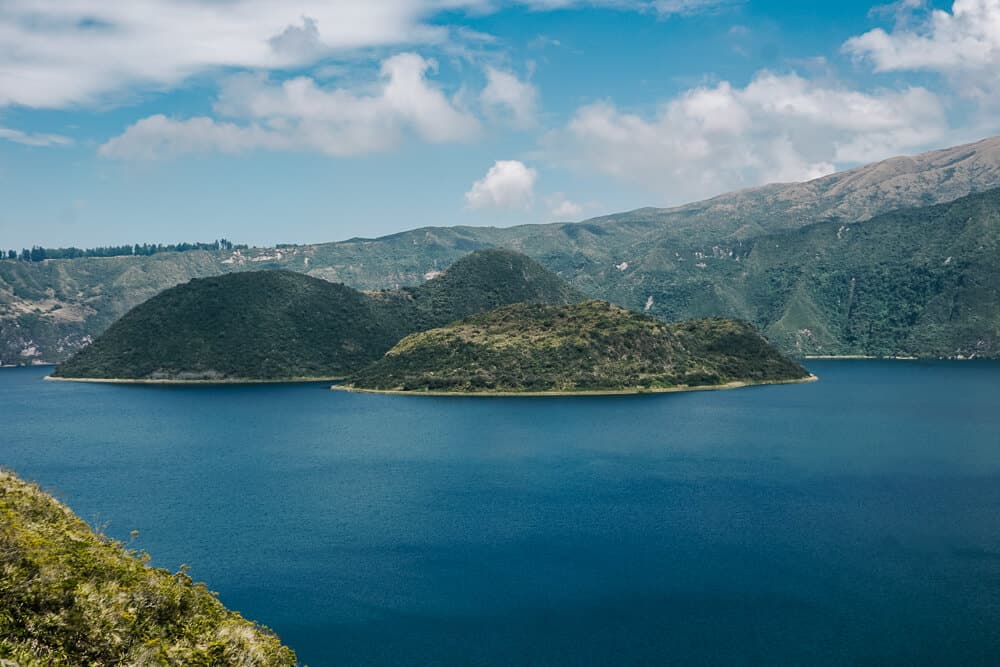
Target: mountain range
[(893, 258)]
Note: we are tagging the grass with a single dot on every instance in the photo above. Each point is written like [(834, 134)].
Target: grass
[(70, 596)]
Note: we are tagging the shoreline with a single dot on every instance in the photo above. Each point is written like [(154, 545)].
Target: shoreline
[(861, 356), (221, 381), (594, 392)]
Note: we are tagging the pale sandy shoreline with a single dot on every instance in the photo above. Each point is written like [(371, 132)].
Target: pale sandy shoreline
[(296, 380), (858, 356), (597, 392)]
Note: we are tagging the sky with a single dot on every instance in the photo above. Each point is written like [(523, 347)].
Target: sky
[(307, 121)]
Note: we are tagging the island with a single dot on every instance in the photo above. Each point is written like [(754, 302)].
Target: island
[(69, 596), (592, 347), (281, 326)]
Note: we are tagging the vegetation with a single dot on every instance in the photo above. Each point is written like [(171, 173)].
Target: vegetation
[(479, 282), (589, 346), (264, 324), (71, 597), (753, 255), (284, 325), (40, 254)]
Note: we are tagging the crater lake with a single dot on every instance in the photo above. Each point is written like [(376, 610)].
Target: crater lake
[(854, 520)]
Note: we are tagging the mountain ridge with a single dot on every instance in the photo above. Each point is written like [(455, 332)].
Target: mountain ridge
[(50, 309)]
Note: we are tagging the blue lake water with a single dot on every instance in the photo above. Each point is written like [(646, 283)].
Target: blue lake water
[(855, 520)]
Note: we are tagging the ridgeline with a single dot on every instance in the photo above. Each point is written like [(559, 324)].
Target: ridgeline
[(776, 256)]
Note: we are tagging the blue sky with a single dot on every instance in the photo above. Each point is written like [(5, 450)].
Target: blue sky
[(319, 120)]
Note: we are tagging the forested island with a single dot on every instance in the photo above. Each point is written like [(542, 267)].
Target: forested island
[(588, 347), (281, 325)]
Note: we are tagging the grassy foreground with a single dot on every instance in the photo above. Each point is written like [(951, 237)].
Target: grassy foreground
[(71, 597)]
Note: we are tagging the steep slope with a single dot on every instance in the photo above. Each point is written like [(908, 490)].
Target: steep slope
[(276, 325), (921, 282), (70, 597), (481, 281), (263, 324), (49, 309), (850, 196), (589, 346)]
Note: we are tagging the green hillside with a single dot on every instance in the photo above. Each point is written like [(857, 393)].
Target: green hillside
[(684, 262), (263, 324), (589, 346), (919, 282), (283, 325), (481, 281), (69, 597)]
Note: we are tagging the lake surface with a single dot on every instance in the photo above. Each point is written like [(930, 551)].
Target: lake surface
[(855, 520)]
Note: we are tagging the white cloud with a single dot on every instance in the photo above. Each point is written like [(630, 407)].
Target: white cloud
[(561, 208), (62, 53), (59, 53), (508, 184), (159, 137), (963, 44), (299, 114), (29, 139), (668, 7), (661, 7), (777, 128), (514, 98)]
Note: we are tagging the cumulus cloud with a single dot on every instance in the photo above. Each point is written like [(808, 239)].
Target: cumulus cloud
[(508, 184), (29, 139), (299, 114), (508, 95), (777, 128), (59, 53), (562, 208), (963, 44)]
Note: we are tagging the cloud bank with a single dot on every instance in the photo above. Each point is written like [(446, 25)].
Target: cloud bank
[(301, 115), (777, 128), (63, 53)]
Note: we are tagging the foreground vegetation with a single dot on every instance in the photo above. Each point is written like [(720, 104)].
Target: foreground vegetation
[(70, 597), (590, 346), (281, 325)]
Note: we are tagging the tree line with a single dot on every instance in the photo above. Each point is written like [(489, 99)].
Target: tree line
[(39, 253)]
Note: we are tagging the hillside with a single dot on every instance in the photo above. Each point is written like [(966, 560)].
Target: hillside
[(69, 597), (277, 325), (263, 324), (478, 282), (681, 261), (922, 282), (589, 346)]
